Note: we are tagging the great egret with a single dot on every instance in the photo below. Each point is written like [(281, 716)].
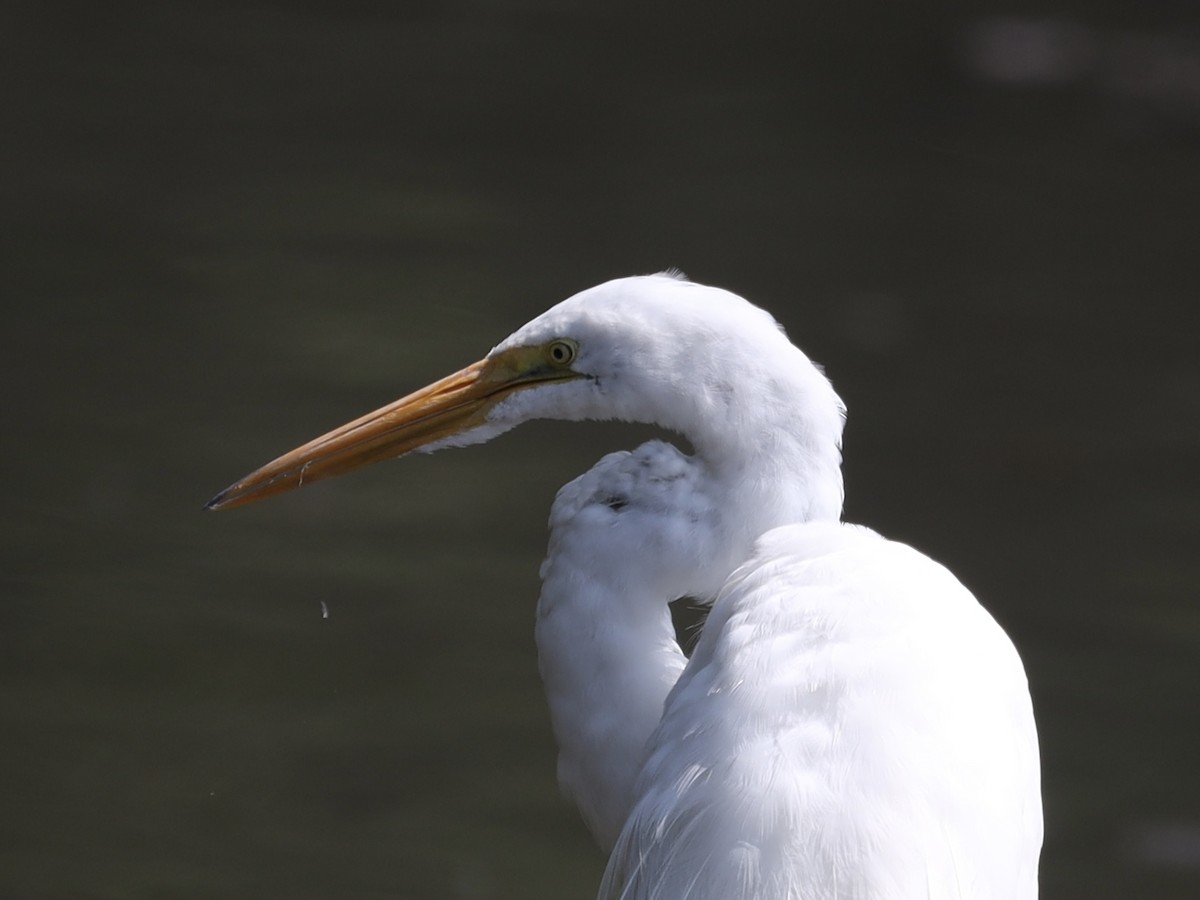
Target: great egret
[(851, 723)]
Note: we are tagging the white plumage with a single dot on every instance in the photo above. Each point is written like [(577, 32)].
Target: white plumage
[(852, 724)]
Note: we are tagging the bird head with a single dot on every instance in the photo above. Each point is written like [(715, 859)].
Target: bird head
[(658, 349)]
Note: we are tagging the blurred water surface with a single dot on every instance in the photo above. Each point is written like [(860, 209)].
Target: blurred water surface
[(229, 228)]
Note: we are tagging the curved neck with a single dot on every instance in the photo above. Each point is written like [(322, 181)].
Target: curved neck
[(608, 658), (778, 469), (770, 437), (770, 480)]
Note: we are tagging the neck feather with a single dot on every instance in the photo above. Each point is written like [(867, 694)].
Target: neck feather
[(608, 658)]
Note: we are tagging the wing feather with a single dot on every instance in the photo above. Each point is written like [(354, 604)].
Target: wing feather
[(852, 724)]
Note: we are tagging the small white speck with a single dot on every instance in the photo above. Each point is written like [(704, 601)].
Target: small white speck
[(324, 610)]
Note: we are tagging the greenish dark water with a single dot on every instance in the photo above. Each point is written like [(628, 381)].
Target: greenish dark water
[(229, 228)]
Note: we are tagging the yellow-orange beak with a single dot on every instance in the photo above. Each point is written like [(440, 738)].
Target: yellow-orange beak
[(447, 407)]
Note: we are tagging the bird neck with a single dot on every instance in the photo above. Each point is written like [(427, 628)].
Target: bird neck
[(608, 657), (769, 433), (782, 486), (780, 470)]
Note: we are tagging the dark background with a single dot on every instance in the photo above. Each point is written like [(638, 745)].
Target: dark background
[(228, 228)]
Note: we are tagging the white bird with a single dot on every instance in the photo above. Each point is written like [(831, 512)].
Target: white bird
[(852, 724)]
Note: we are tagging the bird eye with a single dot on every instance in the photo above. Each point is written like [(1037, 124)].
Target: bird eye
[(561, 352)]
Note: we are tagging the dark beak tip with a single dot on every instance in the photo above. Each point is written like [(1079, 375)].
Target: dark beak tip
[(217, 502)]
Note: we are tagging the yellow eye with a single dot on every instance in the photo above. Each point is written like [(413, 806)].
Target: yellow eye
[(561, 352)]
